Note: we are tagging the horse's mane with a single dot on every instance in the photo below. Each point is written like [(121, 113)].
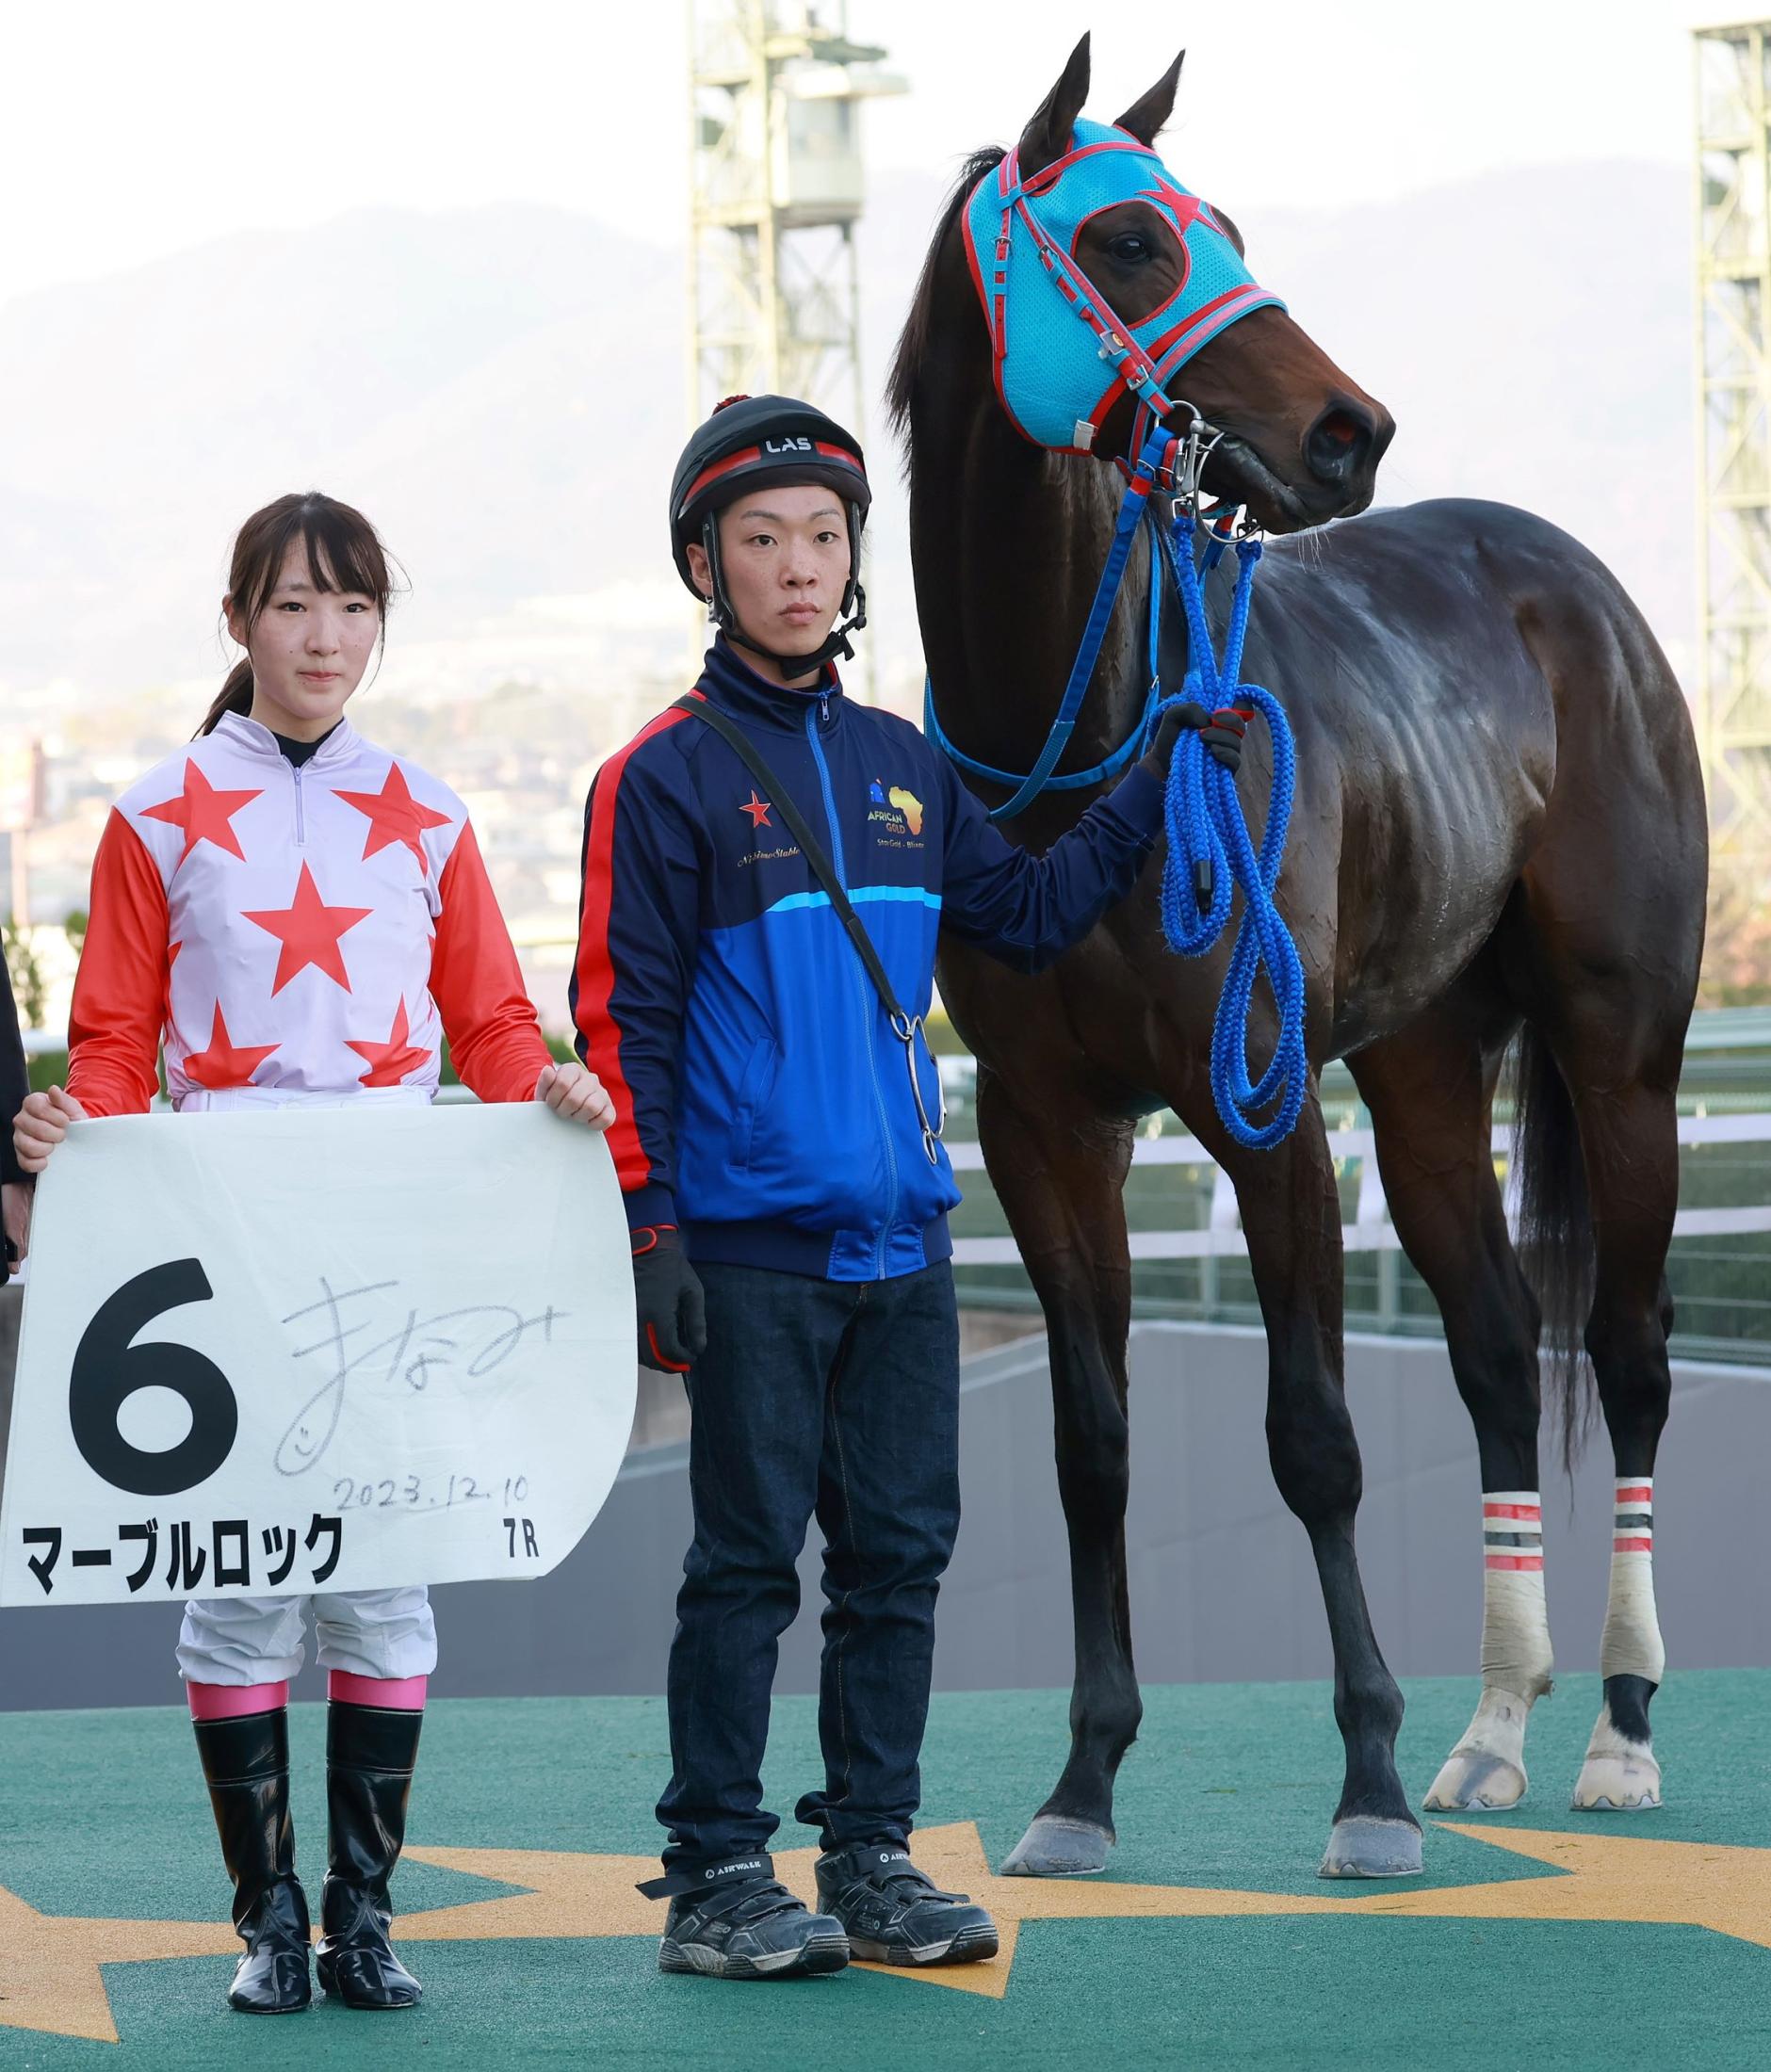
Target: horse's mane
[(912, 341)]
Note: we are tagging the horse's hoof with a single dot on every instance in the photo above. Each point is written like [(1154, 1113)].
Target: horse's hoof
[(1054, 1847), (1366, 1847), (1627, 1781), (1475, 1780)]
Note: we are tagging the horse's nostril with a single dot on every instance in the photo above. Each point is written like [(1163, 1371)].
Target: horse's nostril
[(1338, 445)]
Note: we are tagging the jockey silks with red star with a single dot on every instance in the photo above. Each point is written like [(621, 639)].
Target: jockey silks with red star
[(307, 927)]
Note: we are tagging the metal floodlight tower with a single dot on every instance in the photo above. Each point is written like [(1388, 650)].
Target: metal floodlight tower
[(1734, 352), (775, 181)]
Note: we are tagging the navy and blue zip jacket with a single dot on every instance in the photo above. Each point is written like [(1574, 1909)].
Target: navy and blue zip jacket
[(763, 1103)]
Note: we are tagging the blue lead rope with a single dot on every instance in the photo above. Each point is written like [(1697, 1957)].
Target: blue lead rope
[(1210, 850)]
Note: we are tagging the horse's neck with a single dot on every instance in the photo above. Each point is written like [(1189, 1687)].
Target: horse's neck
[(1008, 543)]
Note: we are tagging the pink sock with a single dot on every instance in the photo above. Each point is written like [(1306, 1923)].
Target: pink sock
[(233, 1701), (396, 1693)]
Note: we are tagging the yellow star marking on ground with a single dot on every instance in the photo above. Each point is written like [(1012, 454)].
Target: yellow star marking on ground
[(1610, 1878), (1598, 1878), (49, 1965), (50, 1979)]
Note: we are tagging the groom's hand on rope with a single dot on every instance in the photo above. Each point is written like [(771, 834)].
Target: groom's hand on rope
[(1221, 731), (669, 1305), (1222, 736)]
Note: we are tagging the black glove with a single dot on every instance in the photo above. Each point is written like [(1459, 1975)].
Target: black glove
[(670, 1308), (1222, 732)]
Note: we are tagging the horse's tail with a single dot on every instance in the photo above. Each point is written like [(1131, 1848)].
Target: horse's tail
[(1555, 1232)]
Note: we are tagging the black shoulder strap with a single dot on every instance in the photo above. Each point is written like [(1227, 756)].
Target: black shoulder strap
[(748, 753)]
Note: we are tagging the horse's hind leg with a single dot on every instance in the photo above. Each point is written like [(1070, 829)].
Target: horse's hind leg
[(1629, 1137), (1058, 1170), (1430, 1090), (1600, 952)]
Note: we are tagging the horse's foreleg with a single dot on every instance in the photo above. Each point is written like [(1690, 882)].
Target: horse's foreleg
[(1430, 1090), (1058, 1176), (1292, 1217)]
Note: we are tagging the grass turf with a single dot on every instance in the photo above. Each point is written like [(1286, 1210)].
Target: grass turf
[(103, 1813)]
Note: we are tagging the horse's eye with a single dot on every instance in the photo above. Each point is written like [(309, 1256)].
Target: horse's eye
[(1128, 247)]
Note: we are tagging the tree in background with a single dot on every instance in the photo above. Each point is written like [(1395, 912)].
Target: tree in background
[(30, 990), (1737, 942)]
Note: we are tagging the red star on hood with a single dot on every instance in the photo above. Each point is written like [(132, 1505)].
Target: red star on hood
[(309, 930), (389, 1062), (395, 816), (222, 1065), (205, 813)]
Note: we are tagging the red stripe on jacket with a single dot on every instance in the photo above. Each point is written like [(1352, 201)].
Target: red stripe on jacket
[(595, 969), (119, 990)]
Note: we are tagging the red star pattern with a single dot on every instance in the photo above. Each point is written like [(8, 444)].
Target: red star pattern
[(395, 816), (222, 1065), (205, 814), (309, 931), (389, 1062), (758, 809)]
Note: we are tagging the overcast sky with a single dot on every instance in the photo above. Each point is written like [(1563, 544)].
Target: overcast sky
[(127, 132)]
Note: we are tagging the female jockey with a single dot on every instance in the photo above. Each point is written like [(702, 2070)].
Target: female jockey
[(297, 915)]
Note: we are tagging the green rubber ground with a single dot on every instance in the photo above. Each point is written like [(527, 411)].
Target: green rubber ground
[(103, 1814)]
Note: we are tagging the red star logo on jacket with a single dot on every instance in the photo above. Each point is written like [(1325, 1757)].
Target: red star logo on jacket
[(205, 814), (395, 816), (389, 1062), (309, 931), (758, 809), (223, 1064)]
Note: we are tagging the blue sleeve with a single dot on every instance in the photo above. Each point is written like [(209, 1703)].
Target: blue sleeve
[(1028, 910), (638, 927)]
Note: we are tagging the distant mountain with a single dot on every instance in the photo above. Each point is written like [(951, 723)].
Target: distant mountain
[(501, 389)]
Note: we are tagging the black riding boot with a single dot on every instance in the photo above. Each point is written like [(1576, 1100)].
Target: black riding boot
[(246, 1764), (370, 1751)]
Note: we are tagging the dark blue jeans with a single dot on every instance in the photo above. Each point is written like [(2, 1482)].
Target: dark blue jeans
[(839, 1397)]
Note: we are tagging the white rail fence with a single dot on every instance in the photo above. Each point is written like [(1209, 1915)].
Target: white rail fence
[(1370, 1230)]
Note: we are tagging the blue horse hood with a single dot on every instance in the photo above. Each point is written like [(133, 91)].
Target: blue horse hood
[(1051, 374)]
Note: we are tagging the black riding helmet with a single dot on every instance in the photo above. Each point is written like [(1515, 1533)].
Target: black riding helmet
[(748, 442)]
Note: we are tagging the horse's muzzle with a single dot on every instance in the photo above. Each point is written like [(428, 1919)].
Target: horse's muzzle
[(1341, 449)]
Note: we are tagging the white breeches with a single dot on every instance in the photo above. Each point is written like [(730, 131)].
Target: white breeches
[(387, 1634)]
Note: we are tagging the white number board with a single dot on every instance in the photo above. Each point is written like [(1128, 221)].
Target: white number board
[(265, 1352)]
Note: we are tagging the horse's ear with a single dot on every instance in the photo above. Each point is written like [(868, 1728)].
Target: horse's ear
[(1147, 119), (1048, 136)]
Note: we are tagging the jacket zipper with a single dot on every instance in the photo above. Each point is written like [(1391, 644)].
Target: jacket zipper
[(301, 823), (867, 1001)]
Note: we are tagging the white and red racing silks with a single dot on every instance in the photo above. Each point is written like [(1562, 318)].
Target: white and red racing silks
[(308, 929)]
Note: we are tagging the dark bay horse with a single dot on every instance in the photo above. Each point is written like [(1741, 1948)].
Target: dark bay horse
[(1499, 842)]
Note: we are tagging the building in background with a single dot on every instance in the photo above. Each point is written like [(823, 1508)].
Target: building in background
[(776, 189), (1733, 353)]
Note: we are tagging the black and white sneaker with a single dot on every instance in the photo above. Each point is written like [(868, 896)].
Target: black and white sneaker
[(738, 1921), (894, 1914)]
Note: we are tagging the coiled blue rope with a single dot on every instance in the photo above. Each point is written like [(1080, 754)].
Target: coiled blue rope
[(1208, 845)]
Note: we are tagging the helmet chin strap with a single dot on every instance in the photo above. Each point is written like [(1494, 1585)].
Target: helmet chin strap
[(836, 642)]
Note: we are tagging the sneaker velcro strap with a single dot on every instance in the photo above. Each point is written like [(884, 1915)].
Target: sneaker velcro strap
[(709, 1877)]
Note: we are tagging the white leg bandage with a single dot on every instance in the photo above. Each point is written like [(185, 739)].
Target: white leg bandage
[(1487, 1769), (1632, 1643), (1620, 1771)]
